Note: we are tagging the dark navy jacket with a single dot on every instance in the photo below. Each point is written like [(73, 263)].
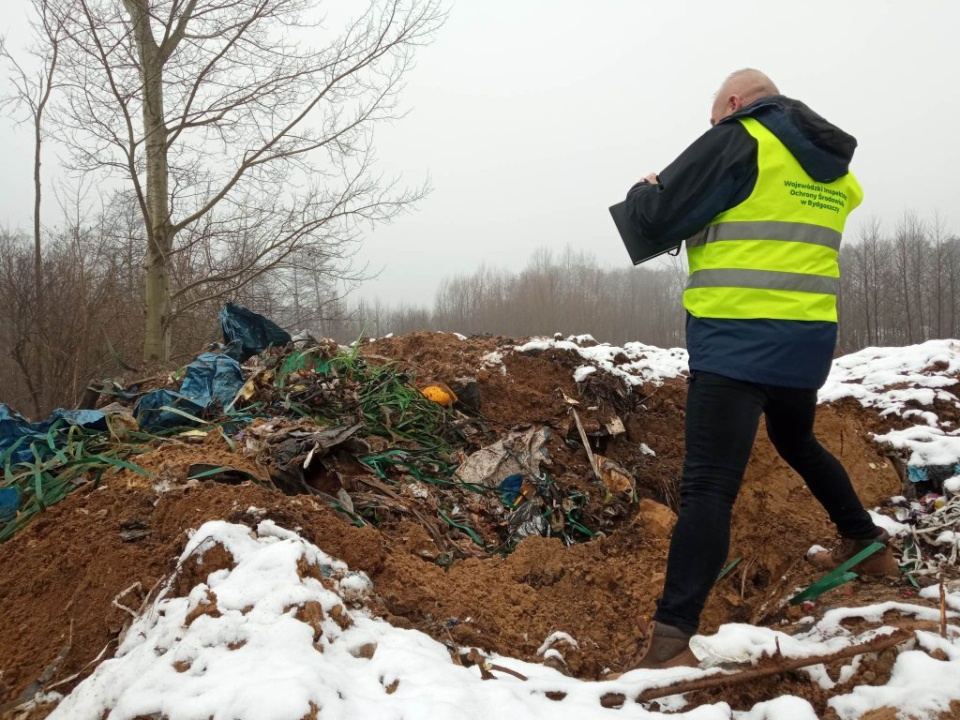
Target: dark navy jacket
[(717, 172)]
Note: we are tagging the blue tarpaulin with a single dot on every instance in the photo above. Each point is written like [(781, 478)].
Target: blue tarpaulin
[(151, 413), (245, 333), (14, 429), (210, 380), (931, 473), (9, 503)]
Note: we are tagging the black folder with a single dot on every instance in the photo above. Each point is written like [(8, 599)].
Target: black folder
[(639, 249)]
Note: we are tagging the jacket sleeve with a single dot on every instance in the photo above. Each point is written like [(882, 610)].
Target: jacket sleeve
[(717, 172)]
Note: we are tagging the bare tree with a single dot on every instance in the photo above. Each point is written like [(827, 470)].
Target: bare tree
[(241, 145), (862, 287), (953, 286), (32, 84), (940, 315)]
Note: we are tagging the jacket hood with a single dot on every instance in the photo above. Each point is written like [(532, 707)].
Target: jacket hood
[(822, 149)]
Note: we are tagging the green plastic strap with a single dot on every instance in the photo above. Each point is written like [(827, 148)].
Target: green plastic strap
[(230, 443), (122, 463), (837, 576), (11, 450), (292, 407), (214, 471), (473, 536), (354, 518), (38, 477), (583, 529), (52, 443), (822, 586), (728, 568), (180, 412), (473, 487)]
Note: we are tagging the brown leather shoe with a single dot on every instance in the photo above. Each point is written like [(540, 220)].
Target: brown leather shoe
[(662, 646), (880, 564)]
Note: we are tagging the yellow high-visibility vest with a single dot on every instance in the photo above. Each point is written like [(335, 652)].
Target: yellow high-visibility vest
[(775, 254)]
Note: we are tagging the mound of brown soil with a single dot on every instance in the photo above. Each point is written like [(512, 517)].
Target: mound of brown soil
[(70, 581)]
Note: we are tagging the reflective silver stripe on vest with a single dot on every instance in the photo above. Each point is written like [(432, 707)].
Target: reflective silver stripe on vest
[(764, 280), (772, 230)]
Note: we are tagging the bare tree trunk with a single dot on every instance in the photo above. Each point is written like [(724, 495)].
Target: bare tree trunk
[(35, 366), (32, 91), (160, 231), (37, 254)]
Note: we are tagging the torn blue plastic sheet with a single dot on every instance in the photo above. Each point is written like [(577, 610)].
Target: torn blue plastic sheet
[(245, 333), (17, 433), (210, 380), (932, 473), (9, 503), (153, 412), (510, 488)]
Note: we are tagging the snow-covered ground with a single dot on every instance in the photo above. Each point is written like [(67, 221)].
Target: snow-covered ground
[(635, 362), (902, 381), (905, 382), (284, 633)]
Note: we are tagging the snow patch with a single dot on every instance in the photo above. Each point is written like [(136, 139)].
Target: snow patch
[(635, 363), (583, 372)]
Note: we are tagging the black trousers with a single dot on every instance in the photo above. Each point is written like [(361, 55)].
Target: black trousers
[(721, 424)]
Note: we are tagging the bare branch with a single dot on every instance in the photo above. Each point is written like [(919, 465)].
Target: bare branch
[(247, 153)]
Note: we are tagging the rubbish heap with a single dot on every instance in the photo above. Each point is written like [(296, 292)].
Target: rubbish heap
[(373, 441)]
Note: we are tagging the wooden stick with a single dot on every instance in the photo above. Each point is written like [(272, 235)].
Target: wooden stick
[(943, 608), (683, 686), (508, 671), (440, 541), (586, 445)]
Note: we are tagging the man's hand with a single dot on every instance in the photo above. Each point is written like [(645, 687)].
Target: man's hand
[(651, 178)]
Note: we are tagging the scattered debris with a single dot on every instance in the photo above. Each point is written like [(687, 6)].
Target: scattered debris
[(486, 527)]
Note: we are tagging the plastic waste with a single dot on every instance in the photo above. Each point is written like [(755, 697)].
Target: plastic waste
[(9, 503), (518, 452), (933, 501), (211, 379), (14, 429), (510, 489), (153, 413), (245, 333), (934, 474), (440, 394)]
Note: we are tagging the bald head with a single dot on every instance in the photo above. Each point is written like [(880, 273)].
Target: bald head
[(739, 90)]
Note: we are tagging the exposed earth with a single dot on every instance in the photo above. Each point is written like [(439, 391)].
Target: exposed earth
[(71, 579)]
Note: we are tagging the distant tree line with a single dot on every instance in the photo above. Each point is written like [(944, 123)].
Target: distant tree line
[(564, 292), (900, 285)]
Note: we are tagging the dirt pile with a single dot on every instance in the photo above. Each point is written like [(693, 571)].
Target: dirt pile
[(442, 559)]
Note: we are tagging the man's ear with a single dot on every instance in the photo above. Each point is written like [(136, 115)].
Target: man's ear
[(735, 103)]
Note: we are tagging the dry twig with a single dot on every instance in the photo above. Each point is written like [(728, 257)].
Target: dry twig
[(781, 666)]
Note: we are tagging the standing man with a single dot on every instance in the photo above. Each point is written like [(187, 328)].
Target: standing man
[(761, 200)]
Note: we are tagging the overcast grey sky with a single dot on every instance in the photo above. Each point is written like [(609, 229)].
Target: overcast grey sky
[(530, 117)]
